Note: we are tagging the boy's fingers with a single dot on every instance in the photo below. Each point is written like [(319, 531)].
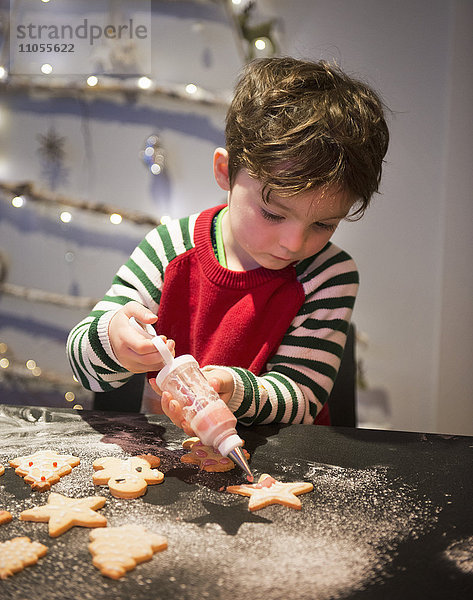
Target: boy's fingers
[(187, 429), (173, 411), (216, 384), (221, 386), (221, 382), (140, 312), (165, 399)]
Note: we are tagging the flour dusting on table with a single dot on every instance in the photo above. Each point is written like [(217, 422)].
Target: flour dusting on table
[(344, 538)]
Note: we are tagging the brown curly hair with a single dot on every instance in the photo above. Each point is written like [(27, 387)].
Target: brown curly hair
[(297, 125)]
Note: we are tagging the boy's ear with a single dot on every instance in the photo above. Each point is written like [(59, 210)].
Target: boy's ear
[(221, 168)]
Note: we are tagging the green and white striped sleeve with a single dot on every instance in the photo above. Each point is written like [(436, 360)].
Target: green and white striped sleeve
[(300, 375), (141, 279)]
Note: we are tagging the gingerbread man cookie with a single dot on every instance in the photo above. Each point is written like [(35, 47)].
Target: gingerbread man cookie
[(116, 550), (18, 553), (207, 458), (127, 478), (270, 491), (63, 513), (44, 468)]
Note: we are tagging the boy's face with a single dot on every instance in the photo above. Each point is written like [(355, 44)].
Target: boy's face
[(282, 231)]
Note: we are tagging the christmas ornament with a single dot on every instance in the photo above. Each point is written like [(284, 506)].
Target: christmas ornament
[(51, 146), (51, 152), (260, 36), (153, 155)]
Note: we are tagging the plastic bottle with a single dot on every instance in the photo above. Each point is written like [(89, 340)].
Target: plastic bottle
[(203, 409)]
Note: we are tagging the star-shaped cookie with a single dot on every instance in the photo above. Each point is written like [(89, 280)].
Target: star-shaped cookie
[(63, 513), (270, 491)]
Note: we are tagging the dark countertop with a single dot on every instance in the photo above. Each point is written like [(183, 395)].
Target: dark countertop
[(390, 515)]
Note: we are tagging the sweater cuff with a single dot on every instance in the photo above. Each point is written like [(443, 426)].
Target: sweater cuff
[(238, 389), (104, 339)]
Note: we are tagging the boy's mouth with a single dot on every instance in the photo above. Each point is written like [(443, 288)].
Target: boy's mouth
[(282, 259)]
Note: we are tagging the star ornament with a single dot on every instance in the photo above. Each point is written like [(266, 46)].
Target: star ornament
[(271, 491), (63, 513)]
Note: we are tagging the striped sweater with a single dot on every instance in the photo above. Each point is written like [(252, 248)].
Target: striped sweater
[(298, 376)]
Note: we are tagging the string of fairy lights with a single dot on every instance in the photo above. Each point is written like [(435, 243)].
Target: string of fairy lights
[(28, 373), (252, 40), (30, 376), (20, 194), (108, 85)]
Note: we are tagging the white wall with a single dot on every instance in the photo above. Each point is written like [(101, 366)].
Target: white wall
[(414, 246), (455, 373)]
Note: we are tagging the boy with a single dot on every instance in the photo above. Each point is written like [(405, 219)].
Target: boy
[(254, 289)]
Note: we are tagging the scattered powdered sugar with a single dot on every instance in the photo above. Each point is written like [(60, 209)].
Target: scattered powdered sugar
[(344, 538), (460, 554), (386, 509)]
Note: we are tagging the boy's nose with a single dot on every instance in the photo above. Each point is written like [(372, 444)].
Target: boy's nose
[(292, 239)]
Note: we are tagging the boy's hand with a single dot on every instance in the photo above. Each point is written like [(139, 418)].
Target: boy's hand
[(172, 409), (219, 379), (133, 350)]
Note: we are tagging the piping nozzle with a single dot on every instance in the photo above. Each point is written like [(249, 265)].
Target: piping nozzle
[(239, 459)]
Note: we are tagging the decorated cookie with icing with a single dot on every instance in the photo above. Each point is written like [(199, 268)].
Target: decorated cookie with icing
[(207, 458), (270, 491), (18, 553), (5, 517), (2, 469), (116, 550), (44, 468), (62, 513), (128, 478)]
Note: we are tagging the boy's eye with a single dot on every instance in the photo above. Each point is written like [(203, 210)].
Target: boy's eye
[(271, 216), (325, 226)]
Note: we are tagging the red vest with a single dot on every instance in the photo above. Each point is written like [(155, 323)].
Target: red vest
[(223, 317)]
